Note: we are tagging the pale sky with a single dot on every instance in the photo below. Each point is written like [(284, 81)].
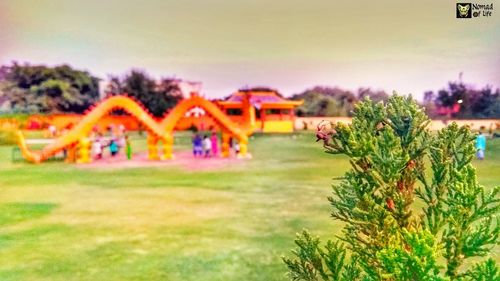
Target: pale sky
[(291, 45)]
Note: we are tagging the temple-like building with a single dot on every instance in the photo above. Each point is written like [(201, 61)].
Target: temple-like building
[(273, 113)]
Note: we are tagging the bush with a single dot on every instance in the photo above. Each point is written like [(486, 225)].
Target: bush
[(383, 237)]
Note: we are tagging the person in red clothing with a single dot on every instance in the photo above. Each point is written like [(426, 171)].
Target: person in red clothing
[(215, 144)]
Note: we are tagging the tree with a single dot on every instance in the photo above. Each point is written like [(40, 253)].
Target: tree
[(328, 101), (429, 104), (485, 103), (469, 102), (375, 96), (168, 94), (38, 88), (158, 98), (383, 238), (325, 101), (319, 105)]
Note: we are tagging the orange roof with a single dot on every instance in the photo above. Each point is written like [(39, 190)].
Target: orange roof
[(264, 99)]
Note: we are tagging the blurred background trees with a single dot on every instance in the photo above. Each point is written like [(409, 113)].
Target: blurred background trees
[(461, 101), (457, 100), (158, 97), (333, 101), (63, 89), (42, 89)]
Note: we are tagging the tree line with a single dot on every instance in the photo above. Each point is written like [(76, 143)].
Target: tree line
[(63, 89), (457, 100), (41, 89)]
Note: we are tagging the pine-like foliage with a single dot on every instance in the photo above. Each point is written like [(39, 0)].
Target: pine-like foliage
[(397, 164)]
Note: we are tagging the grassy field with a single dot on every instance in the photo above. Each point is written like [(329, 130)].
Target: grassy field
[(62, 222)]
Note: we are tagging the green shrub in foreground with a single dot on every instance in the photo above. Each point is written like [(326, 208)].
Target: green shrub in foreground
[(383, 238)]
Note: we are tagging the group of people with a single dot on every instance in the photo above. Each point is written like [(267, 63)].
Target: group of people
[(205, 146), (208, 146), (114, 143)]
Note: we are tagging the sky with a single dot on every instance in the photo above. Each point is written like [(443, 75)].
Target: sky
[(290, 45)]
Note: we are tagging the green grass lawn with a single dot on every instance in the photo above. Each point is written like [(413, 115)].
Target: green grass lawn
[(61, 222)]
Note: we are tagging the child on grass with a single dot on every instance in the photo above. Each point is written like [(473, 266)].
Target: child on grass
[(128, 147), (113, 147), (207, 146), (480, 145), (197, 145), (237, 148), (97, 147), (215, 145)]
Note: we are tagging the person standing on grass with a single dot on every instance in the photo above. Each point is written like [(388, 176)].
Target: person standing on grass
[(480, 145), (207, 146), (128, 147), (113, 147), (197, 145), (97, 147), (121, 141), (236, 148), (215, 145)]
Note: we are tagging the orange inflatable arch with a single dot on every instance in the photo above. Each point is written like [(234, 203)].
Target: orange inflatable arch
[(158, 131)]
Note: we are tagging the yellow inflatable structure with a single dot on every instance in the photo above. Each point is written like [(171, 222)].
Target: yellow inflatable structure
[(77, 139)]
